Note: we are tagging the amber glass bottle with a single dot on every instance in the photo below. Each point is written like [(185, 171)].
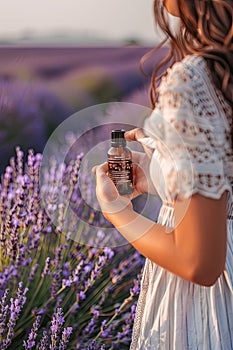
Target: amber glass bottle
[(120, 168)]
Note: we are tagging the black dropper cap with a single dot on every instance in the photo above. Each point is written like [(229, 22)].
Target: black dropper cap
[(118, 138)]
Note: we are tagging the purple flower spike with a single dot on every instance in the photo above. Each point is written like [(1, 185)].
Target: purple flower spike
[(44, 343), (3, 313), (31, 341), (46, 268), (57, 322), (65, 338), (15, 308), (95, 346)]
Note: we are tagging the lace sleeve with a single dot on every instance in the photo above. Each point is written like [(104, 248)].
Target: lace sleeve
[(189, 148)]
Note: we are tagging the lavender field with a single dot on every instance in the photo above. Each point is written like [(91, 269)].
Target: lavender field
[(40, 87), (56, 293)]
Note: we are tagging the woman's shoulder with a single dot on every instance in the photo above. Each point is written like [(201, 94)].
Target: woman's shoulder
[(190, 82), (183, 77), (194, 75), (191, 77), (190, 68)]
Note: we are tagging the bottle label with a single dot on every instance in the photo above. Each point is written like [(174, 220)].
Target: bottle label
[(121, 173)]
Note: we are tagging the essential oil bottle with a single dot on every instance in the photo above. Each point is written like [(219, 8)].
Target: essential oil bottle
[(120, 167)]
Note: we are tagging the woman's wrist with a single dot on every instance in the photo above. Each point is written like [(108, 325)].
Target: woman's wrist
[(130, 224), (115, 206)]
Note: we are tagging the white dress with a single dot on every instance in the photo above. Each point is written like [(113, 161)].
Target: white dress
[(190, 132)]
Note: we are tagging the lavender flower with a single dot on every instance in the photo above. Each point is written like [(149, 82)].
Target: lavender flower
[(65, 338), (44, 342), (55, 328), (95, 346), (33, 272), (46, 270), (31, 341), (3, 312), (89, 329), (56, 264), (15, 308), (135, 290), (56, 281), (7, 275)]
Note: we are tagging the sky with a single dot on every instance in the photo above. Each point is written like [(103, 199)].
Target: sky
[(113, 19)]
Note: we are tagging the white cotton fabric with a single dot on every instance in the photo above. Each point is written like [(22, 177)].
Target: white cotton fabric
[(189, 131)]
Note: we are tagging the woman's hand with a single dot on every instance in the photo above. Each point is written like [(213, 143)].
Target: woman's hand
[(141, 164), (108, 197), (141, 176), (138, 135)]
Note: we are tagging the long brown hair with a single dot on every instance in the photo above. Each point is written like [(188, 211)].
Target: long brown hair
[(206, 29)]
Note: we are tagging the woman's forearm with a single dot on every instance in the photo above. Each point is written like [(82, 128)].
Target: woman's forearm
[(195, 250), (152, 241)]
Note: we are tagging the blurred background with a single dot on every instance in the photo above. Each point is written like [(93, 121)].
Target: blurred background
[(77, 22), (60, 56)]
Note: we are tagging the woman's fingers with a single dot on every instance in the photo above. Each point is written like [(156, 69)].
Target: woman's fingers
[(138, 135), (106, 192), (104, 183), (134, 134), (102, 168), (105, 188)]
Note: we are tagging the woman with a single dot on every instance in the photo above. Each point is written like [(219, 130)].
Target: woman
[(186, 298)]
